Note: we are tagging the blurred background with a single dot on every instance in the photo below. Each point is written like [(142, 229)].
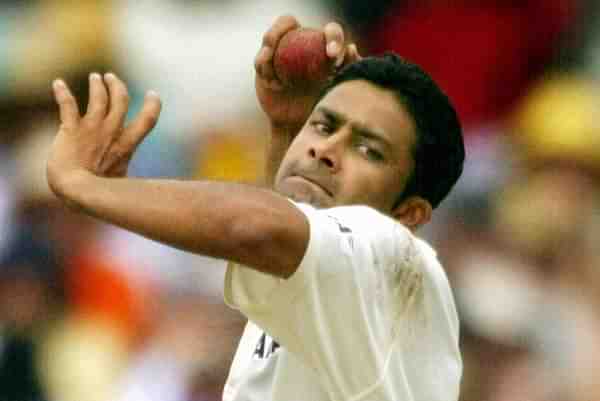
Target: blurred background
[(89, 312)]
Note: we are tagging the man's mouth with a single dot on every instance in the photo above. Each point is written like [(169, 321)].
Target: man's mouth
[(314, 183)]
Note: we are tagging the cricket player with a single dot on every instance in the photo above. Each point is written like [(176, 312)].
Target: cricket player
[(344, 302)]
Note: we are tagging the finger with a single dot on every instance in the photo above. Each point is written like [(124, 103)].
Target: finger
[(334, 37), (136, 131), (264, 64), (68, 109), (98, 100), (119, 101), (280, 27), (352, 54)]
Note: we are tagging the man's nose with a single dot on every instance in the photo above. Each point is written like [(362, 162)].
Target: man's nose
[(327, 151)]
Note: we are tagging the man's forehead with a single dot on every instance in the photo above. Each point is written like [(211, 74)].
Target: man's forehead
[(365, 104), (357, 95)]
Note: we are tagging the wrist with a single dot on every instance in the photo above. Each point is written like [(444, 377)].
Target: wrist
[(66, 184)]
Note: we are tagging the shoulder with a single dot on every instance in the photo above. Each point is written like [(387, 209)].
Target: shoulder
[(353, 218), (359, 229)]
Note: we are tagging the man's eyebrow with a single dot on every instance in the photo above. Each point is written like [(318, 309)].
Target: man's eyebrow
[(331, 115), (366, 132)]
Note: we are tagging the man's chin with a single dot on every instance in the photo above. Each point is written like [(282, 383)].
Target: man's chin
[(311, 200), (304, 194)]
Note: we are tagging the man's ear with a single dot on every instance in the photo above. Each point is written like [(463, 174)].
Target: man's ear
[(413, 212)]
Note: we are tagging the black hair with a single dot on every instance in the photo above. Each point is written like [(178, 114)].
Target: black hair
[(439, 150)]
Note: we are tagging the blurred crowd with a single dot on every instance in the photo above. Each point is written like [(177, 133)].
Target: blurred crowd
[(90, 312)]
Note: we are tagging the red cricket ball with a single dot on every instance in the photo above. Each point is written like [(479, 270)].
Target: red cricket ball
[(300, 58)]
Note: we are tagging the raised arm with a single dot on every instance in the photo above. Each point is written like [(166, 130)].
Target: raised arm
[(288, 107), (87, 167)]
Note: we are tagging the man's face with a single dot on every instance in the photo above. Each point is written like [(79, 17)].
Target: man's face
[(355, 148)]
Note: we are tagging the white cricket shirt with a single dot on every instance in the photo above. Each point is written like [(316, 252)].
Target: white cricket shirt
[(367, 316)]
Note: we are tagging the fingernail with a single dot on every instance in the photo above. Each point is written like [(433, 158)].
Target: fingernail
[(152, 93), (58, 84), (109, 75), (94, 76), (332, 48)]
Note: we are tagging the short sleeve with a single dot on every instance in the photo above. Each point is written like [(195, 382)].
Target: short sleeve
[(335, 309)]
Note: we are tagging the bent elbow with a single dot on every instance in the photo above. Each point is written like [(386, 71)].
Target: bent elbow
[(273, 244)]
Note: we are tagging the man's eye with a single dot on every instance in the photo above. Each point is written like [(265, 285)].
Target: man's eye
[(370, 153), (321, 127)]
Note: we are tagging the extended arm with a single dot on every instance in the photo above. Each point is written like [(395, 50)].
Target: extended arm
[(245, 224)]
